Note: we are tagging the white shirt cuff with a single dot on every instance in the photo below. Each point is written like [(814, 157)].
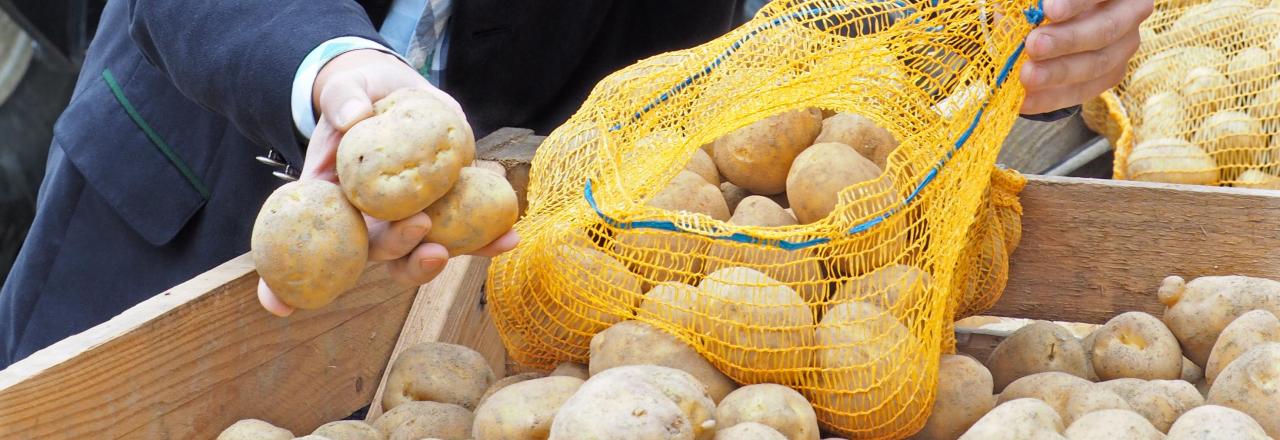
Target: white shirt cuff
[(303, 81)]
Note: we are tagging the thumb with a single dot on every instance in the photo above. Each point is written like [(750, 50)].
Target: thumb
[(345, 100)]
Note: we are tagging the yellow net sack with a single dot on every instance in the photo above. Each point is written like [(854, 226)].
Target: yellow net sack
[(851, 308), (1201, 103)]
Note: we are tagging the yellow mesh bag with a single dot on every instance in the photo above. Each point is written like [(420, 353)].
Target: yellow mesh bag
[(849, 309), (1201, 103)]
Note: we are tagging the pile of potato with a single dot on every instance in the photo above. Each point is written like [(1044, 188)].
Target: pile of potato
[(1208, 369), (310, 241), (1205, 96)]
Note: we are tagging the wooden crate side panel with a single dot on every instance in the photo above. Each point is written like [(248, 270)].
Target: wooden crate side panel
[(192, 360)]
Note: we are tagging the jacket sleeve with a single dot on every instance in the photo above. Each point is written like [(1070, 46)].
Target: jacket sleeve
[(238, 58)]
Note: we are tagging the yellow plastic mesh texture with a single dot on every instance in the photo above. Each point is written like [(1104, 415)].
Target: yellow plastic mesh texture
[(850, 309), (1201, 103)]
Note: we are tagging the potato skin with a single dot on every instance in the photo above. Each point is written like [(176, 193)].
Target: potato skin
[(664, 256), (1053, 388), (1024, 353), (638, 343), (820, 173), (437, 372), (703, 166), (901, 287), (868, 139), (254, 429), (680, 304), (431, 420), (1213, 422), (1251, 329), (964, 395), (757, 157), (1160, 401), (1135, 344), (1088, 399), (1197, 311), (749, 431), (733, 195), (743, 297), (523, 410), (591, 272), (778, 407), (571, 369), (637, 402), (1252, 384), (800, 269), (309, 245), (1112, 424), (512, 379), (405, 157), (480, 208), (1017, 420), (348, 430), (1171, 160)]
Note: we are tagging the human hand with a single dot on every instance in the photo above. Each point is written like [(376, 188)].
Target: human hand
[(344, 93), (1081, 51)]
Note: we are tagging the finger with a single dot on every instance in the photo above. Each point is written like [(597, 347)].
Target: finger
[(271, 302), (1047, 100), (1080, 67), (1093, 30), (322, 153), (502, 244), (345, 99), (1063, 10), (389, 241), (420, 266)]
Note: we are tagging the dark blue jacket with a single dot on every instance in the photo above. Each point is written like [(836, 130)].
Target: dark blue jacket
[(152, 177)]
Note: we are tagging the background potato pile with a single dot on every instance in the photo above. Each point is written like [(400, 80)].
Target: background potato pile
[(1203, 95), (310, 242)]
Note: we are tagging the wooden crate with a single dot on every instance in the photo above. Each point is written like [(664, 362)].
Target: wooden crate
[(188, 362)]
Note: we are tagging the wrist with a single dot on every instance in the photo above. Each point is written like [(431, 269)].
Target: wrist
[(349, 60), (307, 76)]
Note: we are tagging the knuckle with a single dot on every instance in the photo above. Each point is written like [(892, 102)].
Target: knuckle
[(1145, 9)]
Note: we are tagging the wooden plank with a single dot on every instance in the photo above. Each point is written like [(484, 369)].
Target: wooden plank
[(1034, 147), (1094, 248), (513, 148), (196, 358), (450, 309)]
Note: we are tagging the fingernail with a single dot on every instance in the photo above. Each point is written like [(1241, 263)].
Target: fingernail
[(430, 263), (348, 113), (413, 233)]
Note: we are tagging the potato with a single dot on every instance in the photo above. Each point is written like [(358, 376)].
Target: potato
[(348, 430), (868, 383), (659, 256), (1166, 69), (819, 174), (1111, 424), (799, 269), (254, 429), (1164, 115), (1036, 348), (749, 431), (405, 157), (1257, 180), (1087, 343), (1197, 311), (480, 208), (416, 420), (757, 157), (733, 195), (1191, 372), (308, 244), (1266, 105), (1135, 344), (1211, 21), (740, 297), (1205, 89), (1252, 384), (773, 405), (898, 288), (512, 379), (1054, 388), (1211, 422), (1251, 329), (1233, 139), (1017, 420), (638, 343), (571, 369), (867, 139), (593, 292), (964, 396), (312, 437), (1173, 161), (702, 165), (1087, 399), (1160, 401), (679, 304), (1248, 68), (637, 401), (437, 372), (523, 411)]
